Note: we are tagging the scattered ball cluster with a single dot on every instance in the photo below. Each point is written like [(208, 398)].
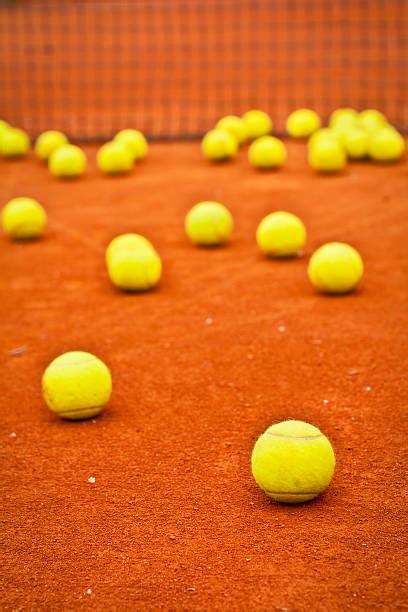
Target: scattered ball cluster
[(292, 461)]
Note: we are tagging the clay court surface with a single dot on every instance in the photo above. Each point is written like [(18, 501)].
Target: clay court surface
[(229, 343)]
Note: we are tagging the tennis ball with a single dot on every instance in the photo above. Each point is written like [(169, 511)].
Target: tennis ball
[(355, 141), (267, 152), (371, 120), (335, 268), (281, 234), (14, 142), (209, 224), (76, 385), (48, 142), (135, 141), (386, 145), (115, 158), (219, 145), (23, 218), (327, 155), (257, 123), (293, 462), (133, 264), (302, 123), (128, 241), (322, 134), (343, 116), (235, 126), (68, 161), (4, 126)]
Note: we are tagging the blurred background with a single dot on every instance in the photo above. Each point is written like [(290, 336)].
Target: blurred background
[(172, 67)]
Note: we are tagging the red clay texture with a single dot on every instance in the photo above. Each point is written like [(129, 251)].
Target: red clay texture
[(152, 505)]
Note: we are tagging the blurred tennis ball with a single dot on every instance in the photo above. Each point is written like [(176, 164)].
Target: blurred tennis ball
[(132, 262), (14, 142), (23, 218), (219, 145), (68, 161), (335, 268), (267, 152), (371, 120), (114, 158), (327, 155), (4, 126), (343, 116), (386, 145), (235, 126), (302, 123), (355, 141), (281, 234), (135, 141), (48, 142), (76, 385), (257, 123), (209, 223)]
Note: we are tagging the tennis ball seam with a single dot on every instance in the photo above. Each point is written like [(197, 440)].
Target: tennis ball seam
[(277, 435)]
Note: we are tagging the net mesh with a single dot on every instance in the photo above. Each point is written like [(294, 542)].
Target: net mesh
[(172, 67)]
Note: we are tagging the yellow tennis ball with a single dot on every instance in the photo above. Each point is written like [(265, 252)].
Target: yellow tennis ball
[(76, 385), (133, 264), (335, 268), (14, 142), (257, 123), (219, 145), (355, 141), (128, 241), (4, 126), (343, 116), (386, 145), (135, 141), (209, 224), (327, 155), (302, 123), (235, 126), (23, 218), (68, 161), (371, 120), (267, 152), (48, 142), (293, 462), (115, 158), (281, 234)]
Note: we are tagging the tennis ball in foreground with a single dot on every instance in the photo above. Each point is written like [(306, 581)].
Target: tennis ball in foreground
[(115, 158), (386, 145), (14, 142), (233, 125), (209, 224), (219, 145), (23, 218), (135, 141), (302, 123), (327, 155), (48, 142), (281, 234), (68, 161), (335, 268), (293, 462), (133, 264), (267, 152), (371, 119), (76, 385), (257, 123)]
